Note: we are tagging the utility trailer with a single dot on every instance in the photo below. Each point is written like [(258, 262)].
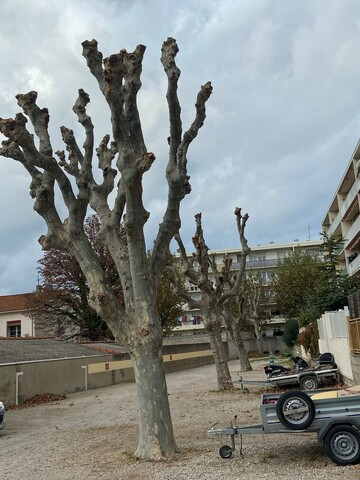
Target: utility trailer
[(302, 375), (307, 379), (333, 415)]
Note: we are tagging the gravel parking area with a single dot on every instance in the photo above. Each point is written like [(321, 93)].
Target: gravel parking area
[(92, 435)]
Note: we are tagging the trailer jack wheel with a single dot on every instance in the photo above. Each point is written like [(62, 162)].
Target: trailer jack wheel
[(225, 451)]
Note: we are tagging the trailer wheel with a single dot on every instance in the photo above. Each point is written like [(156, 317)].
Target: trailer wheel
[(225, 451), (295, 410), (342, 445), (309, 382)]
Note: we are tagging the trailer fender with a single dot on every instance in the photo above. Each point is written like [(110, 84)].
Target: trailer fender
[(342, 420)]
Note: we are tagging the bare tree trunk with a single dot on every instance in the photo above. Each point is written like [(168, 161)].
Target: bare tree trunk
[(233, 328), (156, 438), (245, 364), (260, 344), (213, 329)]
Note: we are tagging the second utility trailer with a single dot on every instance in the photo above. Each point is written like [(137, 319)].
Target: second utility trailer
[(333, 416), (307, 379)]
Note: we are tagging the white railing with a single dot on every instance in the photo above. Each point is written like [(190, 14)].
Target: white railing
[(353, 230), (346, 204), (350, 197), (354, 266)]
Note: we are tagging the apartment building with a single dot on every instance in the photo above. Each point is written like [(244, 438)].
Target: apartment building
[(262, 260), (342, 219)]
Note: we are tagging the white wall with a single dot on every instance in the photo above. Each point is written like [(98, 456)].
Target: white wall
[(333, 335), (26, 323)]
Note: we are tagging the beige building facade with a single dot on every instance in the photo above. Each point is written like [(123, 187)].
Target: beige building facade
[(262, 260), (342, 219)]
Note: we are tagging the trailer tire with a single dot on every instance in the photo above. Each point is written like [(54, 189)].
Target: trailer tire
[(287, 410), (309, 382), (225, 451), (342, 445)]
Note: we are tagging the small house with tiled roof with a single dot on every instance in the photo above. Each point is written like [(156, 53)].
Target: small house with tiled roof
[(15, 320)]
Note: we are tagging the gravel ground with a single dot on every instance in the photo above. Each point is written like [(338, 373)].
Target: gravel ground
[(92, 435)]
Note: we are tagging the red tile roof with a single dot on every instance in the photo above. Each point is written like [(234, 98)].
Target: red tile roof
[(14, 303)]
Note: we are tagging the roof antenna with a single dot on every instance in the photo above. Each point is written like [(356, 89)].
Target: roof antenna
[(309, 236)]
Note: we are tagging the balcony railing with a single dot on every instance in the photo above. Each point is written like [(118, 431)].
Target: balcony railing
[(346, 204), (354, 266), (258, 263), (351, 233)]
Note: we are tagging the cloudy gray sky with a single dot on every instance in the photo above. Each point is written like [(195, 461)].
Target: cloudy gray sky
[(282, 123)]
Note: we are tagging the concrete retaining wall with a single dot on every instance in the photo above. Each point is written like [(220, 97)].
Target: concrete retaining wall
[(22, 381)]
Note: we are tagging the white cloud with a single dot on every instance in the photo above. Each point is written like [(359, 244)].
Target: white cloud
[(281, 124)]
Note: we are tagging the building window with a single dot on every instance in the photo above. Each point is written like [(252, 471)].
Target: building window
[(14, 329), (257, 257), (194, 288), (313, 252), (265, 276)]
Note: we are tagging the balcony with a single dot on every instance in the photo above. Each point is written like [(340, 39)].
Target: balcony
[(346, 204), (352, 232), (258, 263), (354, 266)]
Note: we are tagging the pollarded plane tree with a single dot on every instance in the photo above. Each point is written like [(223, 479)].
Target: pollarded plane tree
[(236, 312), (216, 289), (134, 320), (243, 310)]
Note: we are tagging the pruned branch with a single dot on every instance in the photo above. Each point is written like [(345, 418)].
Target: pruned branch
[(176, 171), (198, 122), (94, 60), (75, 156), (168, 54), (132, 63), (39, 119), (187, 266), (101, 192), (80, 109), (172, 274), (241, 224)]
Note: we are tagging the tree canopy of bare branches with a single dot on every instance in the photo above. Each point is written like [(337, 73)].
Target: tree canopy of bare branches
[(217, 285), (123, 161)]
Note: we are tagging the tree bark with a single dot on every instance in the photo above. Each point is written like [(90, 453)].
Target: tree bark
[(233, 327), (213, 328), (156, 437), (245, 364)]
